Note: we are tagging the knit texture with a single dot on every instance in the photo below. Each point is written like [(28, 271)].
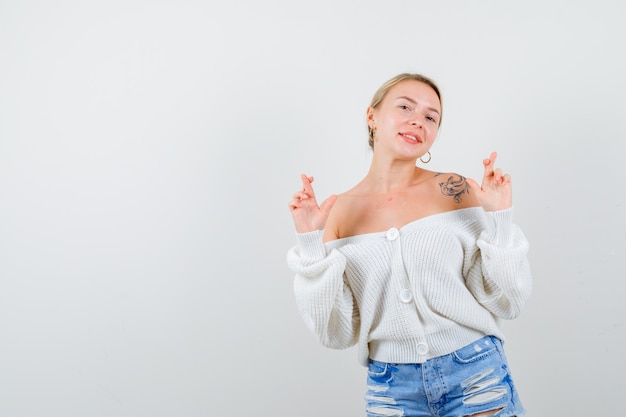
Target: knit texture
[(410, 294)]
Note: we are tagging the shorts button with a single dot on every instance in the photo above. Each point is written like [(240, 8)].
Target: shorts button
[(393, 233), (406, 296), (422, 348)]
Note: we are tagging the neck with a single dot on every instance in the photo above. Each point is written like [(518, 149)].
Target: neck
[(388, 176)]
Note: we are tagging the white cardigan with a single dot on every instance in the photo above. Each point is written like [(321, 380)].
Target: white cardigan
[(410, 294)]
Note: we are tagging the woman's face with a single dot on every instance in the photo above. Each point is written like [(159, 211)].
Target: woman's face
[(407, 120)]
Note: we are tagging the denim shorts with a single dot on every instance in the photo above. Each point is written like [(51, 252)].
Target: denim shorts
[(474, 379)]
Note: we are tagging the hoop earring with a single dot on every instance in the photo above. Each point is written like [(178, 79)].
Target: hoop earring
[(429, 158), (372, 134)]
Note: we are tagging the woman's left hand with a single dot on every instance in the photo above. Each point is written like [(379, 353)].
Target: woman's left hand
[(495, 192)]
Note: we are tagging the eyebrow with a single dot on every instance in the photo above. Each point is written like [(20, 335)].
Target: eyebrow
[(415, 102)]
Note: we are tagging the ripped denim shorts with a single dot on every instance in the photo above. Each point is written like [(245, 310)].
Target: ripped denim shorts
[(474, 379)]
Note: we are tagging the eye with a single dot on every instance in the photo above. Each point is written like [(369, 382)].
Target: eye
[(431, 119), (404, 107)]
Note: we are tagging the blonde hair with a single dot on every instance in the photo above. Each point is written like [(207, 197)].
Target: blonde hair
[(382, 91)]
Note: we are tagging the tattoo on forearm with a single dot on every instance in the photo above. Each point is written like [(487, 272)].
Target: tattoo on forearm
[(455, 186)]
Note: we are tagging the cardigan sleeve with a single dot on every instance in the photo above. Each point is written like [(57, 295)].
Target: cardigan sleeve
[(499, 277), (323, 296)]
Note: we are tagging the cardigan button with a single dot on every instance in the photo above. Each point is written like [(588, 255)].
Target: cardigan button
[(406, 296), (393, 233)]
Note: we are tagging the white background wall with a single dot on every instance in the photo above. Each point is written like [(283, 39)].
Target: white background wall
[(148, 150)]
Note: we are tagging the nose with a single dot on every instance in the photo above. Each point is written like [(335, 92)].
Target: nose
[(416, 122)]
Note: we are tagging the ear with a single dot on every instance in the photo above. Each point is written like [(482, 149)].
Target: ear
[(370, 118)]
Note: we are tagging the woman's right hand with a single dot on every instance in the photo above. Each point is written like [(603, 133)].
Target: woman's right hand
[(307, 215)]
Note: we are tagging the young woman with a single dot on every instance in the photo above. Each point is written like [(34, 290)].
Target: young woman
[(415, 267)]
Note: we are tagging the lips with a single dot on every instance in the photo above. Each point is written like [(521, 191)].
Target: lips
[(411, 137)]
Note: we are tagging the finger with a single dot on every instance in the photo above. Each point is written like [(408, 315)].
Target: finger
[(294, 204), (489, 165), (306, 185), (489, 162), (497, 175), (506, 179), (492, 158), (300, 195)]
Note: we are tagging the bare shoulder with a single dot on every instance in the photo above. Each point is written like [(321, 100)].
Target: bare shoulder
[(336, 216), (349, 214), (455, 190)]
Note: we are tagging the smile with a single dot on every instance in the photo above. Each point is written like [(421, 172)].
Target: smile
[(413, 138)]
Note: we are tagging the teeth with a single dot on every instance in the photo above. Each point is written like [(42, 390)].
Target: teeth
[(410, 137)]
